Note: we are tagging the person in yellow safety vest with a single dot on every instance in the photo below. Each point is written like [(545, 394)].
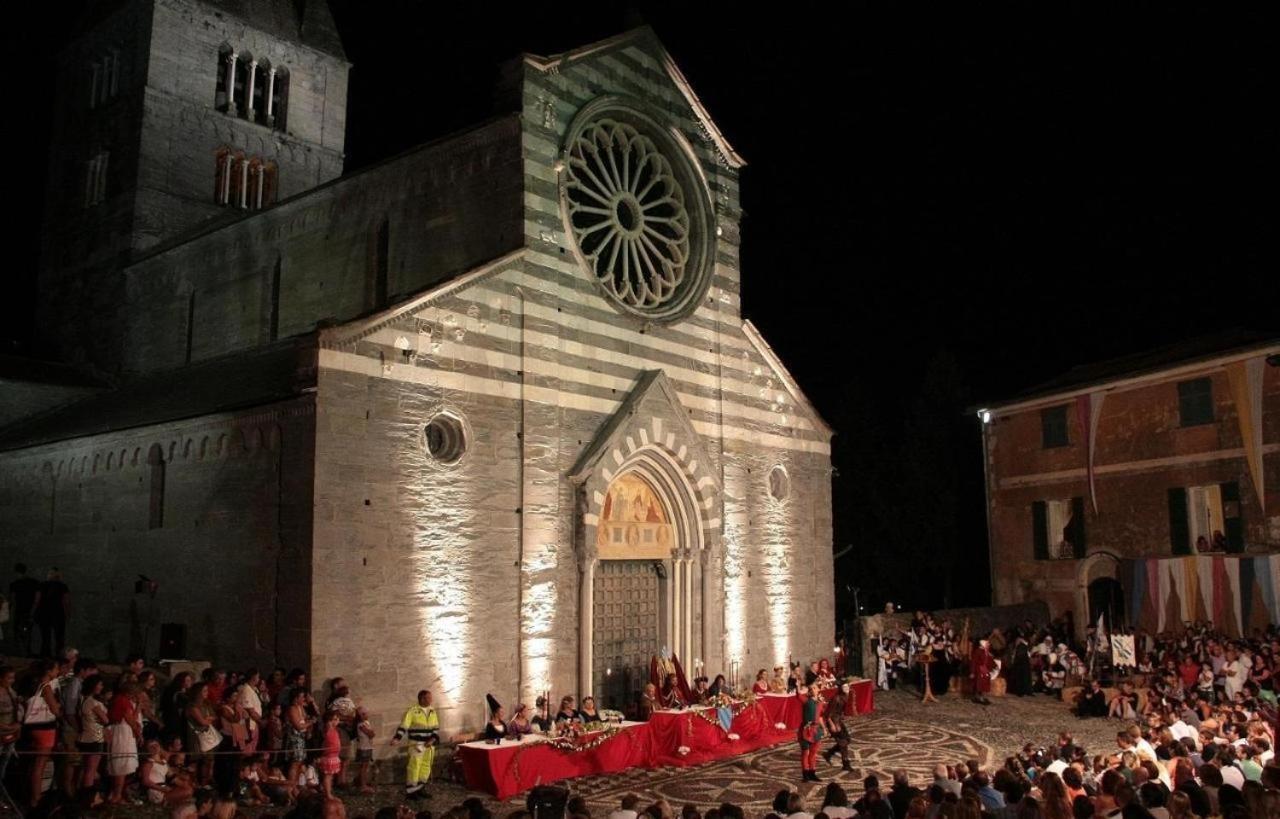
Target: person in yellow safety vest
[(421, 726)]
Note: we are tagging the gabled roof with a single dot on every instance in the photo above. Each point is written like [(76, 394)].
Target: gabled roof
[(793, 388), (349, 332), (645, 35), (1202, 351), (652, 385)]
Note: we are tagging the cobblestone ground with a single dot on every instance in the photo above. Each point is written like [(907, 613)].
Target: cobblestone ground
[(902, 733)]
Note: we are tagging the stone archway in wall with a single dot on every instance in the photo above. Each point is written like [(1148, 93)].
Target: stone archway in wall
[(1091, 583), (655, 561)]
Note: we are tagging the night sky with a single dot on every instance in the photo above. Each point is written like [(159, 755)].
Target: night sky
[(942, 208)]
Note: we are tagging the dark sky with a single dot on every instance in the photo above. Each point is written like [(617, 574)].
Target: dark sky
[(941, 207)]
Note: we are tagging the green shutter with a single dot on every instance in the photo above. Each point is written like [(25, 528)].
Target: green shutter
[(1179, 533), (1077, 527), (1040, 529), (1231, 517)]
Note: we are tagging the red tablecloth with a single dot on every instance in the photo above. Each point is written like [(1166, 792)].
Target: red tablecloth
[(753, 725), (507, 769)]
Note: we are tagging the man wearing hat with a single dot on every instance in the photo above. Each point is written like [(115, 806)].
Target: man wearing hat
[(422, 728)]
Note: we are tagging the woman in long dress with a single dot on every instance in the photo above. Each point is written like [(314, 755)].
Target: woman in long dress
[(1020, 669)]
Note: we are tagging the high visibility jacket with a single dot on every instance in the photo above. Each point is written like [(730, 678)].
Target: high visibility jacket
[(419, 725)]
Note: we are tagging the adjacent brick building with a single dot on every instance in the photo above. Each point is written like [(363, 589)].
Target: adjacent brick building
[(1184, 444), (482, 417)]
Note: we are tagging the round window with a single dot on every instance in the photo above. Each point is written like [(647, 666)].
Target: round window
[(446, 440), (638, 212), (779, 483)]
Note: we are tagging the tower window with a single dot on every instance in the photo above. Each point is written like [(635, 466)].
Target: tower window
[(244, 182), (95, 179), (250, 89), (104, 79)]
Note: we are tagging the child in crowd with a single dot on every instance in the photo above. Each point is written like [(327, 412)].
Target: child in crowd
[(364, 750), (161, 785), (249, 786), (330, 764)]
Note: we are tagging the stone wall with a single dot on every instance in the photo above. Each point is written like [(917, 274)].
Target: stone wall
[(447, 207), (227, 547), (470, 574), (981, 621)]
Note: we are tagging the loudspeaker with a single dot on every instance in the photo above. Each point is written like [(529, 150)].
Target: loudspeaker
[(173, 641)]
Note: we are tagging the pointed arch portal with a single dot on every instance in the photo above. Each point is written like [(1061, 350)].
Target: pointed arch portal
[(647, 542)]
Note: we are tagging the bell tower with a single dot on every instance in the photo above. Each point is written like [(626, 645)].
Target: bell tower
[(173, 114)]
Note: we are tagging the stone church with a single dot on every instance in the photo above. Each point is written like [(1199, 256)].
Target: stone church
[(482, 417)]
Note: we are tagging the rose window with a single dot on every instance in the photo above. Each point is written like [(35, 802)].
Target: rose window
[(629, 213)]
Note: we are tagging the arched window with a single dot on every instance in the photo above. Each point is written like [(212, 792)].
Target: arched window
[(242, 73), (222, 176), (155, 460), (278, 100), (268, 179), (262, 77), (224, 70)]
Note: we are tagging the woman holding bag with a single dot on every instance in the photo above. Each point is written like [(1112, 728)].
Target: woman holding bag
[(202, 735), (39, 725)]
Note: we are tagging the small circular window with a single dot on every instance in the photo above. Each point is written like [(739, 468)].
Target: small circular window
[(779, 483), (446, 439)]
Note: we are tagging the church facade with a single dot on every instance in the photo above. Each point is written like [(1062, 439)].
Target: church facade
[(484, 417)]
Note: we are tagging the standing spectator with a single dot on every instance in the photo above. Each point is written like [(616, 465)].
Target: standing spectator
[(92, 740), (40, 724), (52, 608), (22, 602), (69, 693), (123, 731)]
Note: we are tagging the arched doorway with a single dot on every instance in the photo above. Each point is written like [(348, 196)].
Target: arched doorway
[(634, 540), (1106, 599)]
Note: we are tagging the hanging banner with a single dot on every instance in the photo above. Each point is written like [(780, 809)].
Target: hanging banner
[(1088, 410), (1246, 390), (1122, 652)]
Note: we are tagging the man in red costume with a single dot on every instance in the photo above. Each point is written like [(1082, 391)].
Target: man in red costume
[(810, 733), (980, 671)]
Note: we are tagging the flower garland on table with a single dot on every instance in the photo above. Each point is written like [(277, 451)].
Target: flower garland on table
[(722, 701), (570, 743)]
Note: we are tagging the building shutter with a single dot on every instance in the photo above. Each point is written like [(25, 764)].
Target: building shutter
[(1040, 529), (1179, 532), (1077, 527), (1231, 518)]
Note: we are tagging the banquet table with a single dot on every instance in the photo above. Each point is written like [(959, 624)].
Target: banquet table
[(690, 736), (511, 767)]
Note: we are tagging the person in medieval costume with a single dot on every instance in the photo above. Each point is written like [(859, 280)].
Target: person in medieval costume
[(495, 730), (671, 696), (421, 726), (1020, 669), (810, 733), (980, 672), (834, 718)]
